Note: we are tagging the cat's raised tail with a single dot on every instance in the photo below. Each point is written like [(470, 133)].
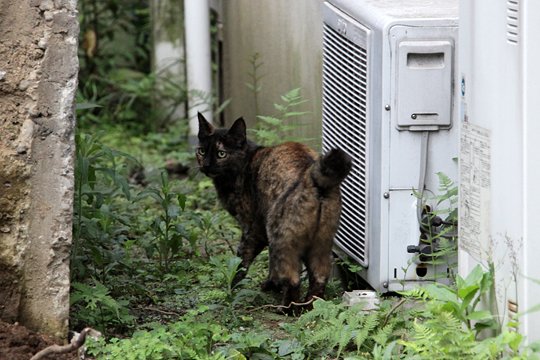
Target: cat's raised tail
[(331, 169)]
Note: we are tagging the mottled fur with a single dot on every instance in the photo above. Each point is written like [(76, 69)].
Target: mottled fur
[(285, 196)]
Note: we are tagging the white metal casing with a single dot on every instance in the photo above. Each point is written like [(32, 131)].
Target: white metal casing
[(500, 152), (363, 41)]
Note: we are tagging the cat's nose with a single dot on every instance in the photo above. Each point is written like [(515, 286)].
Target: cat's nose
[(205, 169), (206, 162)]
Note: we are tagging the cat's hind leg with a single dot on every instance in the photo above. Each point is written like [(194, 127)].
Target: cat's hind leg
[(318, 258), (284, 276), (319, 267)]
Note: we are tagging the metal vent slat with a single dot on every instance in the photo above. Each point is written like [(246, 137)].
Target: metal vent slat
[(340, 92), (332, 38), (342, 137), (345, 60), (358, 88), (512, 21), (345, 109), (344, 141)]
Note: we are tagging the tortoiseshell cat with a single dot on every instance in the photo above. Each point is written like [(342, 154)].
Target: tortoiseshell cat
[(285, 196)]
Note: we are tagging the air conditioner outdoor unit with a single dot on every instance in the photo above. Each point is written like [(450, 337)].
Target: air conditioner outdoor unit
[(389, 101)]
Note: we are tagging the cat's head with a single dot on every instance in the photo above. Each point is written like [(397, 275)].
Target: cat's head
[(221, 151)]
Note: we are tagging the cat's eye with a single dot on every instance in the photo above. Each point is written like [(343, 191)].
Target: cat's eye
[(221, 154), (200, 151)]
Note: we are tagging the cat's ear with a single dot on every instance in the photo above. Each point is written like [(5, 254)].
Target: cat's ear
[(205, 128), (238, 131)]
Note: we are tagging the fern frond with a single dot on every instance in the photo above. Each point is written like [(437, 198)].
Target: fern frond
[(368, 325), (416, 293), (383, 335)]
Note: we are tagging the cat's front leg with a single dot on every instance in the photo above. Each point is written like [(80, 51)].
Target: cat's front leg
[(250, 246)]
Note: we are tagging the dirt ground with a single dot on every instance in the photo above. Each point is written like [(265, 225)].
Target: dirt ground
[(19, 343)]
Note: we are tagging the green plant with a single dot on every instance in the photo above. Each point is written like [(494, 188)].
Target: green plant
[(439, 334), (98, 230), (188, 338), (462, 299), (272, 130), (225, 270), (438, 220), (250, 345), (255, 79), (96, 307), (332, 330), (167, 234), (116, 67), (213, 227)]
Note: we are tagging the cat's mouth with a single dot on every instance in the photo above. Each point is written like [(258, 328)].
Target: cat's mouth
[(211, 174)]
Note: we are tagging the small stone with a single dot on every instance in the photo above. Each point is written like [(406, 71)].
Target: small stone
[(23, 85), (2, 74), (5, 229), (46, 5), (7, 184), (37, 54), (48, 15), (42, 43), (22, 149), (33, 111), (64, 4)]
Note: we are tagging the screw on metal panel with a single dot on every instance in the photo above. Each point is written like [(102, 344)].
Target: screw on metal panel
[(386, 195), (385, 284), (387, 107), (413, 116)]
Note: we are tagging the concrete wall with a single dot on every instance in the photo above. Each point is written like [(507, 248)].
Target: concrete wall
[(288, 36), (38, 80)]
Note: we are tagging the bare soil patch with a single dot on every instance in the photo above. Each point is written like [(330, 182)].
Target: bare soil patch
[(19, 343)]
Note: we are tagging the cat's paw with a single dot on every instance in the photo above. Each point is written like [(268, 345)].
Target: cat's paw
[(269, 286)]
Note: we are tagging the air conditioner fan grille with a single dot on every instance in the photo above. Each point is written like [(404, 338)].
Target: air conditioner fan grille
[(345, 80)]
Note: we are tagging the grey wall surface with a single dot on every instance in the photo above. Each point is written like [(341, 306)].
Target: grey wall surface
[(288, 36)]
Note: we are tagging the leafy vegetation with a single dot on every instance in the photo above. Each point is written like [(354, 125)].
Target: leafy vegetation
[(158, 267), (153, 253), (275, 129)]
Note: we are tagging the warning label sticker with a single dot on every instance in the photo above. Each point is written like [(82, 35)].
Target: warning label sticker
[(474, 204)]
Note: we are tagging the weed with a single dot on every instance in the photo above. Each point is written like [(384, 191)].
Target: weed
[(255, 79), (189, 338), (94, 305), (167, 234), (438, 230), (462, 299), (272, 130), (330, 330), (97, 227)]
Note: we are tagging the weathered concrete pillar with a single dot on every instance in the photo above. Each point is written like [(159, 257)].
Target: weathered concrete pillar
[(38, 81)]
